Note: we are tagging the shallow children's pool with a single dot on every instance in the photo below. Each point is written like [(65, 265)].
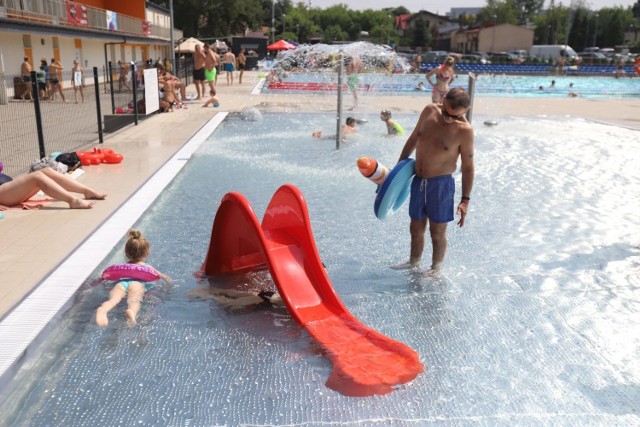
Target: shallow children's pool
[(533, 323)]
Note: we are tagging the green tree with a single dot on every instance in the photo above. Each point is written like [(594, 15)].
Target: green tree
[(611, 25), (420, 34), (635, 9), (527, 9), (499, 12), (334, 33)]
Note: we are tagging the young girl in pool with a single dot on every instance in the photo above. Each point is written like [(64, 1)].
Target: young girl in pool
[(137, 250)]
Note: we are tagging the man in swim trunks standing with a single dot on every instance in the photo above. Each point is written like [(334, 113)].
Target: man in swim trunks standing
[(25, 71), (211, 66), (228, 63), (441, 135), (198, 71)]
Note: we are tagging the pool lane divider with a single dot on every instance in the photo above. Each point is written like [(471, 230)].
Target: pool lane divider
[(31, 322), (365, 362)]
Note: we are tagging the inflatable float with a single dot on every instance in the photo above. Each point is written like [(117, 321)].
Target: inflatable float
[(99, 156), (139, 272), (394, 187)]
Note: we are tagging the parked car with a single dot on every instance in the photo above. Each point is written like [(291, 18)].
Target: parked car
[(607, 51), (437, 56), (475, 59), (553, 51), (590, 57), (520, 53), (504, 58)]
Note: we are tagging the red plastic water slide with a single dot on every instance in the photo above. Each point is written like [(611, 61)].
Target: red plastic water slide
[(365, 362)]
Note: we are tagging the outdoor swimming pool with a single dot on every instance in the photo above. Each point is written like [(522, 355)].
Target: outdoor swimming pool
[(595, 87), (534, 322)]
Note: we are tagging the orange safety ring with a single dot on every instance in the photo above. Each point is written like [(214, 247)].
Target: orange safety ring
[(636, 65)]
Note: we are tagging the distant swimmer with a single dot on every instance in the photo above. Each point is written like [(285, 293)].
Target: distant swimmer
[(347, 129), (393, 127)]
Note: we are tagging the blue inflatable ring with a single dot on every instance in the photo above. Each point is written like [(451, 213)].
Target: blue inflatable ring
[(395, 190)]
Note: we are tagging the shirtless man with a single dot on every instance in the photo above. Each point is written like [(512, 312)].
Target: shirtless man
[(441, 135), (77, 84), (198, 71), (53, 184), (348, 128), (55, 70), (229, 64), (25, 72), (211, 66)]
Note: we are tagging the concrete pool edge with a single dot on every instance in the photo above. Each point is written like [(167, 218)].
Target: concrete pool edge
[(27, 325)]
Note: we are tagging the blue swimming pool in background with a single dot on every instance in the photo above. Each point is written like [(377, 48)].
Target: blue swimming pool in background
[(534, 321), (500, 85)]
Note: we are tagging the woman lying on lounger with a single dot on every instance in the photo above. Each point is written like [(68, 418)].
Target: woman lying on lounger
[(53, 184)]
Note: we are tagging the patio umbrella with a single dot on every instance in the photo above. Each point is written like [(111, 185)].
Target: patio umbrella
[(281, 45), (189, 45)]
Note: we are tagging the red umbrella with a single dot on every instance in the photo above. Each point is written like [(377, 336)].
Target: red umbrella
[(281, 45)]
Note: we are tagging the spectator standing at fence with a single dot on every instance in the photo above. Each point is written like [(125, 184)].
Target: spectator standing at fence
[(77, 79), (25, 71), (123, 72), (55, 70)]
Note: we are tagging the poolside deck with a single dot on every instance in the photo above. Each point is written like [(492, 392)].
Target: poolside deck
[(36, 242)]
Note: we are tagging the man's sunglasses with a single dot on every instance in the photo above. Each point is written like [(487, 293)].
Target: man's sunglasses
[(446, 114)]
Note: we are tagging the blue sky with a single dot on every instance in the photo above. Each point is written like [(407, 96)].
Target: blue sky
[(442, 6)]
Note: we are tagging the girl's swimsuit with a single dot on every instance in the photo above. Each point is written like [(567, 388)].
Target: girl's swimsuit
[(147, 285)]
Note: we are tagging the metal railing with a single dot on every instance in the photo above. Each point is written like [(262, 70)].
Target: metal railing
[(55, 12), (35, 119)]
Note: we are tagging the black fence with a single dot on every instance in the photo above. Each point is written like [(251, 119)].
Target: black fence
[(41, 115)]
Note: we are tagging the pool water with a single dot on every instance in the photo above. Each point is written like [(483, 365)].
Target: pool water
[(597, 87), (534, 321)]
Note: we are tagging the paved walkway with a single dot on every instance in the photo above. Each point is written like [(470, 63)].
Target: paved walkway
[(36, 242)]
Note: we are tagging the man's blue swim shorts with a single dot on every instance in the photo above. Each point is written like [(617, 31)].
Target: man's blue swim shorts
[(432, 197)]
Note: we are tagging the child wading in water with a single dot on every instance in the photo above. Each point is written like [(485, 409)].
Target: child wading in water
[(136, 250)]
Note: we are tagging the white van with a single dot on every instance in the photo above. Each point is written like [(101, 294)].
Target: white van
[(546, 51)]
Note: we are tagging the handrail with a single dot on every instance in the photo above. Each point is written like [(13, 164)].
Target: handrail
[(55, 12)]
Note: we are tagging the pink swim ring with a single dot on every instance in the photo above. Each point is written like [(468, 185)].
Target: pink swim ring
[(139, 272)]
